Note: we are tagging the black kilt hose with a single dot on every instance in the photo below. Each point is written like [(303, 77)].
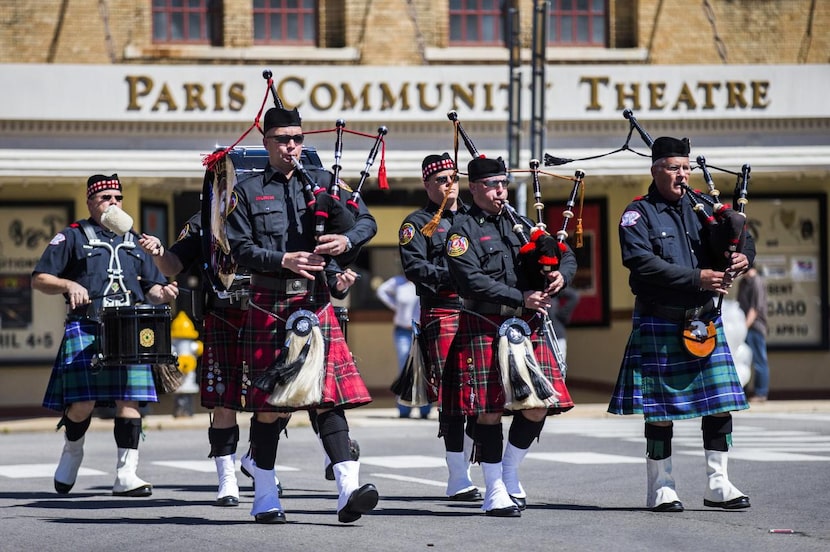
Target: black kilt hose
[(472, 378)]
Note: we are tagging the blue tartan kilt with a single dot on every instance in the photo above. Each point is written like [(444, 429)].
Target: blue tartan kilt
[(660, 380), (75, 379)]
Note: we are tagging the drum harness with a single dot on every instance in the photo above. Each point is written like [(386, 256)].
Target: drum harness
[(116, 293)]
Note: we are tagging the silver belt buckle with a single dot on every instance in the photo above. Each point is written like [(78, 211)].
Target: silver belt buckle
[(296, 286)]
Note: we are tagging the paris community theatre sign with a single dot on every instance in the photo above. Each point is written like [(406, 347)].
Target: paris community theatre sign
[(164, 93), (594, 92)]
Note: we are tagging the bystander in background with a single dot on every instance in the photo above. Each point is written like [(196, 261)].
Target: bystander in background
[(399, 295), (752, 297)]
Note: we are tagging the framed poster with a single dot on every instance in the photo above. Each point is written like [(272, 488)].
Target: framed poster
[(591, 280), (790, 233), (31, 323)]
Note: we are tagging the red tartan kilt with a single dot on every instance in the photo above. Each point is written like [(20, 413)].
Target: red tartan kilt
[(472, 380), (222, 381), (265, 335), (438, 328)]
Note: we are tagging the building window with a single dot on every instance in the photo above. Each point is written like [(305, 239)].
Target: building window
[(476, 23), (577, 23), (285, 22), (187, 21)]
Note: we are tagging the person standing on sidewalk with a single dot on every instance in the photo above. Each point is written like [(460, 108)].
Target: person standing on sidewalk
[(752, 297), (399, 295)]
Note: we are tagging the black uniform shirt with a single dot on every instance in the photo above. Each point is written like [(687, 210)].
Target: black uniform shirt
[(423, 257), (70, 256), (270, 218), (483, 258), (665, 246)]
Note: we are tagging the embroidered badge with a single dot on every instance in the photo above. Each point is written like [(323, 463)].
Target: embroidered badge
[(232, 203), (457, 245), (185, 231), (629, 218), (406, 233), (58, 239)]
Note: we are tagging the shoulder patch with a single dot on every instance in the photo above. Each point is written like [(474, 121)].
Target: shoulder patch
[(58, 239), (630, 218), (406, 233), (457, 245), (232, 203), (183, 234)]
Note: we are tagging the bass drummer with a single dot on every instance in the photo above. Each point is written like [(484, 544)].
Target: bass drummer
[(94, 267)]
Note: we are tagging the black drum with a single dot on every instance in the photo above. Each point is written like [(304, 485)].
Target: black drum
[(137, 334)]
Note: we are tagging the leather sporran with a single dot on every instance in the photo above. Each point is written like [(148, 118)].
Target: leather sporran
[(167, 377), (699, 338)]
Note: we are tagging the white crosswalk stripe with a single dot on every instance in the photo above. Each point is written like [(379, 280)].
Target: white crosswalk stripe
[(21, 471)]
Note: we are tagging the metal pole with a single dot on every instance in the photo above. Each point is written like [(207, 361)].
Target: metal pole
[(514, 101), (540, 40)]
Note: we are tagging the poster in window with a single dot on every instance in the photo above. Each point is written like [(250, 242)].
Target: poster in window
[(791, 255), (591, 280), (31, 323)]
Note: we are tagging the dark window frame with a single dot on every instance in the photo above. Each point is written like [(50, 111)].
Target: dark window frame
[(471, 16), (268, 10), (207, 13), (558, 13)]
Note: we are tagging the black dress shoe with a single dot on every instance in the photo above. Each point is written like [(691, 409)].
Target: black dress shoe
[(510, 511), (63, 488), (142, 491), (472, 495), (275, 516), (229, 500), (519, 501), (360, 501), (673, 506), (734, 504)]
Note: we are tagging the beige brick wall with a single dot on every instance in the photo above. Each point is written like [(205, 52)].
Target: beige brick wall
[(396, 32)]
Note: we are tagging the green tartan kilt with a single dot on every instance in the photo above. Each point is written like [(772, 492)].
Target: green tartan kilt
[(660, 380), (75, 379)]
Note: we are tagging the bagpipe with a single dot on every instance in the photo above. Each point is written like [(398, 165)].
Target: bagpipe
[(725, 227), (225, 165), (524, 382)]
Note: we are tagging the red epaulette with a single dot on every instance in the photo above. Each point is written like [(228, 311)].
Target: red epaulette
[(74, 225), (639, 198)]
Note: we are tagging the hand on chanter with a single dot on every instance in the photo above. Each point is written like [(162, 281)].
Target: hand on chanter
[(303, 263)]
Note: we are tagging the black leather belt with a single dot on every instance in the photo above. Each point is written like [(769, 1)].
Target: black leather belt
[(482, 307), (289, 286), (440, 303), (672, 313)]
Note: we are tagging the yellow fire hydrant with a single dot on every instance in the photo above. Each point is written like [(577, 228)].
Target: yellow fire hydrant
[(188, 349)]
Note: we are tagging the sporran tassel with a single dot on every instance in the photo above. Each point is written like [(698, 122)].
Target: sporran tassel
[(302, 377)]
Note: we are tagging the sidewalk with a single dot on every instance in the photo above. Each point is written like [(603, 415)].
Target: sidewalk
[(369, 415)]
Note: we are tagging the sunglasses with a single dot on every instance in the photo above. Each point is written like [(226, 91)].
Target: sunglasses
[(108, 197), (495, 183), (285, 138), (444, 179)]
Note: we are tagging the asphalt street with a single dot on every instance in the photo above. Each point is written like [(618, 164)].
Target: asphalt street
[(585, 481)]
